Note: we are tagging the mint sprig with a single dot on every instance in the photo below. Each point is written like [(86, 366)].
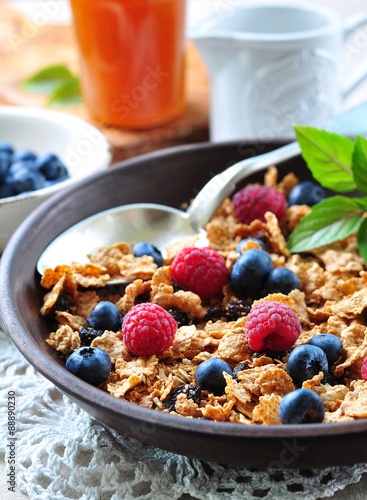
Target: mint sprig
[(329, 156), (359, 164), (340, 164), (57, 82), (67, 92)]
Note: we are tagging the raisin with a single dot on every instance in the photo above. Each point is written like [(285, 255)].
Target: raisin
[(215, 312), (274, 355), (191, 391), (176, 287), (239, 368), (180, 317), (231, 312), (330, 379), (62, 304), (87, 335), (237, 309)]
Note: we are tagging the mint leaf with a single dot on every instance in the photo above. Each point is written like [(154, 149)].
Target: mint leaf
[(328, 156), (360, 202), (359, 165), (331, 220), (57, 82), (67, 92), (362, 240), (47, 79)]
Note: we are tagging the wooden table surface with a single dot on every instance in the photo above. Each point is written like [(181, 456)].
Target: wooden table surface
[(26, 48)]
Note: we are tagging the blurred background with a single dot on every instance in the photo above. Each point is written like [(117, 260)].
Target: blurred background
[(45, 38), (200, 9)]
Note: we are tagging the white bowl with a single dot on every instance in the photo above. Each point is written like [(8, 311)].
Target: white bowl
[(83, 149)]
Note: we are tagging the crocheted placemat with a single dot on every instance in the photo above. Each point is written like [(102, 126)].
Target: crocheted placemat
[(60, 452)]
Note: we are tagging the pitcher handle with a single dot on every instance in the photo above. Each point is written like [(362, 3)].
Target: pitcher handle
[(353, 23)]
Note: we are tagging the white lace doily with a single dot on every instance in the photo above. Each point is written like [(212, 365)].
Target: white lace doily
[(62, 453)]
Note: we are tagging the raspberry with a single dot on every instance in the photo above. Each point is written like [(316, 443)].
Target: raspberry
[(272, 326), (200, 270), (364, 369), (148, 329), (252, 202)]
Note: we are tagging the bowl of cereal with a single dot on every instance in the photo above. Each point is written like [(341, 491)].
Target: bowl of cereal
[(41, 153), (215, 386)]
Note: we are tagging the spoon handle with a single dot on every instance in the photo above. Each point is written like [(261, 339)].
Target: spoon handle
[(222, 185)]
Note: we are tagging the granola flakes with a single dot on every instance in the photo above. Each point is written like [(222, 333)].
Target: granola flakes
[(332, 299)]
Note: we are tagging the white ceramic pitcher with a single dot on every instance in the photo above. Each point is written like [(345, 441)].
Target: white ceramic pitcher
[(274, 65)]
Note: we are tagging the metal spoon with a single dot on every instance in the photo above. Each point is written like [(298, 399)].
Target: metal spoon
[(162, 225)]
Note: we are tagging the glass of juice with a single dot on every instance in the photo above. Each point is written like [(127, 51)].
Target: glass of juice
[(132, 56)]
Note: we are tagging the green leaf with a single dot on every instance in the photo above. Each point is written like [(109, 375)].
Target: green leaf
[(47, 79), (331, 220), (359, 165), (67, 92), (360, 202), (328, 156), (362, 240)]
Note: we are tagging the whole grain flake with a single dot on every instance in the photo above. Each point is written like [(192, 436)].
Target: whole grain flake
[(332, 300)]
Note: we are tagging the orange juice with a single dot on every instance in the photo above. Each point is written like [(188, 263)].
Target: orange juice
[(132, 55)]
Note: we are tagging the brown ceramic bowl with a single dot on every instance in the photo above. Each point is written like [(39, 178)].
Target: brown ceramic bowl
[(167, 177)]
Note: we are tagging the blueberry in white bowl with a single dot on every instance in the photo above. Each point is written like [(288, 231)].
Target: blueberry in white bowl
[(41, 153)]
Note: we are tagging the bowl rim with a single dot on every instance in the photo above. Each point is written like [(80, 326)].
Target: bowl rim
[(66, 121), (88, 394)]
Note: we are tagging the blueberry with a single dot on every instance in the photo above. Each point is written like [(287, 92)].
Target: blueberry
[(91, 364), (25, 180), (21, 170), (281, 280), (250, 271), (144, 248), (20, 165), (306, 193), (5, 162), (245, 240), (7, 189), (306, 361), (23, 155), (51, 167), (191, 391), (302, 406), (330, 344), (105, 316), (7, 148), (209, 375)]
